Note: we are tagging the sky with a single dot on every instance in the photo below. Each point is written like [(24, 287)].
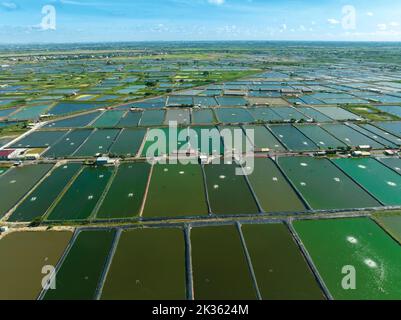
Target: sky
[(60, 21)]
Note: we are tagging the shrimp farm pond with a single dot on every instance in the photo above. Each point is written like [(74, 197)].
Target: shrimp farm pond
[(201, 172)]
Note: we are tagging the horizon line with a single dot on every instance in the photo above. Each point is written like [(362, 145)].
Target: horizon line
[(194, 41)]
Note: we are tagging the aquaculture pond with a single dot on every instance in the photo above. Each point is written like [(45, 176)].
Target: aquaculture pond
[(204, 116), (233, 115), (160, 142), (205, 102), (383, 141), (179, 101), (289, 113), (17, 182), (235, 140), (264, 139), (394, 110), (128, 142), (320, 137), (227, 101), (380, 181), (99, 141), (360, 243), (309, 174), (381, 133), (393, 163), (68, 144), (149, 264), (223, 183), (272, 189), (30, 112), (220, 268), (314, 114), (156, 103), (41, 199), (292, 138), (74, 122), (180, 116), (39, 139), (350, 136), (392, 224), (337, 113), (80, 273), (264, 114), (130, 120), (391, 127), (152, 118), (4, 113), (79, 201), (108, 119), (176, 190), (62, 108), (23, 257), (206, 140), (125, 197), (280, 269)]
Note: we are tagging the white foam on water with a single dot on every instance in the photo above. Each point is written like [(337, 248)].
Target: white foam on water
[(130, 195), (352, 240), (222, 177), (65, 167), (275, 179), (303, 164), (370, 263), (165, 170), (398, 169), (391, 184), (181, 172), (303, 184), (337, 179), (361, 166), (101, 176), (216, 186), (90, 197), (33, 199), (13, 181)]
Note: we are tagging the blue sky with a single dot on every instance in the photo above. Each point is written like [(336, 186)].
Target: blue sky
[(149, 20)]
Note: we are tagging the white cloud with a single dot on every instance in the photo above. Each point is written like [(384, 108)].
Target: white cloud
[(369, 14), (9, 5), (216, 2), (394, 24), (333, 21)]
